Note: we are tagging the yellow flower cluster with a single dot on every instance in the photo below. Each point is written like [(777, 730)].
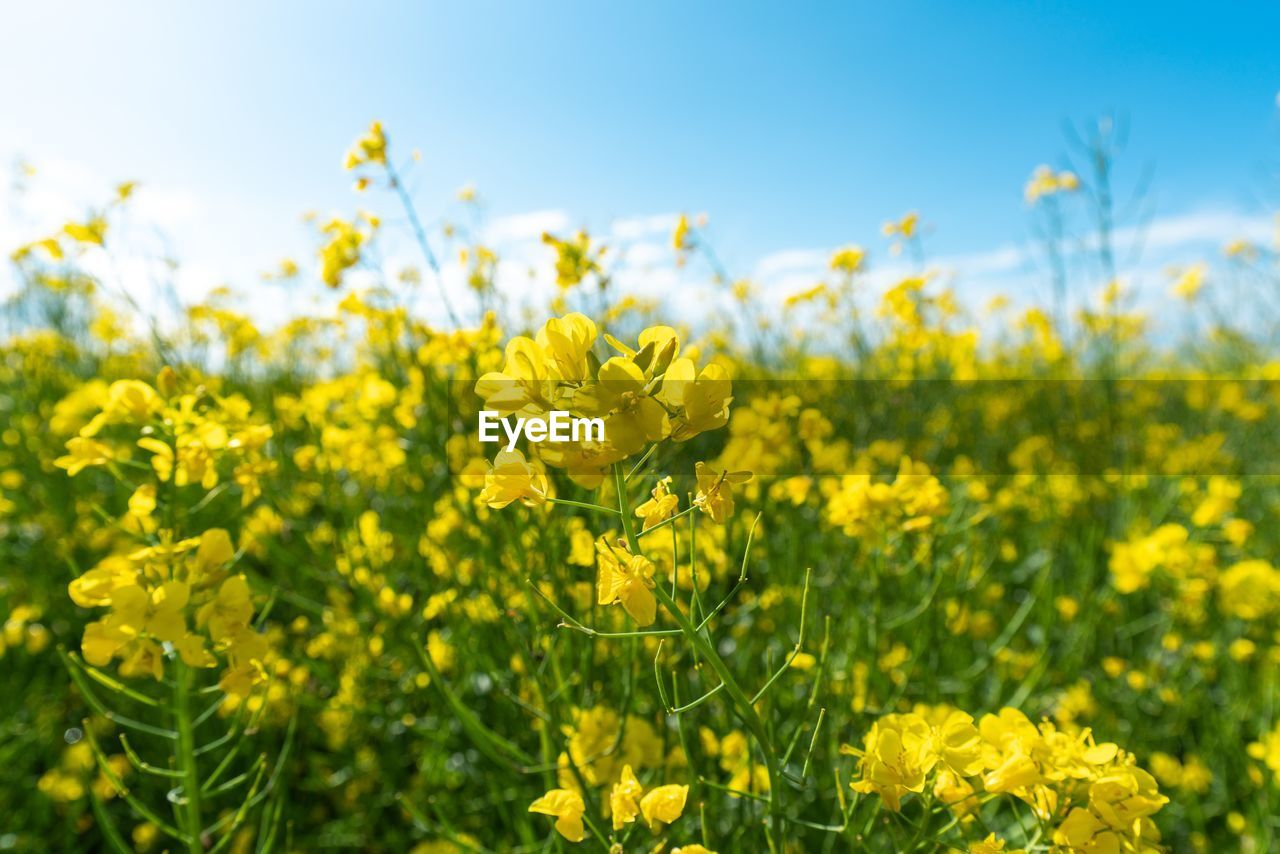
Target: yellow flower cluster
[(1045, 182), (370, 148), (865, 507), (172, 593), (23, 630), (1249, 590), (1167, 549), (601, 742), (153, 593), (576, 259), (1094, 795), (627, 801), (73, 777), (660, 805), (345, 241), (643, 395)]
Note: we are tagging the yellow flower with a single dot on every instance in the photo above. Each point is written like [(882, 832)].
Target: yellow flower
[(680, 234), (229, 611), (246, 649), (128, 402), (705, 399), (575, 259), (660, 507), (342, 251), (715, 491), (808, 295), (632, 417), (1267, 750), (1045, 182), (525, 384), (957, 745), (1189, 282), (1249, 589), (1083, 832), (82, 453), (192, 649), (370, 148), (905, 227), (623, 800), (134, 611), (143, 501), (1240, 248), (94, 588), (627, 579), (894, 758), (992, 844), (145, 835), (143, 657), (103, 639), (212, 553), (1237, 531), (1121, 798), (512, 478), (567, 807), (93, 231), (664, 804), (1220, 499), (955, 792), (567, 341), (848, 259), (803, 661)]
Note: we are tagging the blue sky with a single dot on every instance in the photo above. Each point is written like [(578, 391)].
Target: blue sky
[(795, 126)]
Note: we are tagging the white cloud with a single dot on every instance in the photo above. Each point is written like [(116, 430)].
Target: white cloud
[(166, 206), (526, 226), (791, 261), (639, 227), (648, 254), (1005, 259), (1197, 228)]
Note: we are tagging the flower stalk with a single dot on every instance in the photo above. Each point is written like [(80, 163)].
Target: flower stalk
[(742, 705)]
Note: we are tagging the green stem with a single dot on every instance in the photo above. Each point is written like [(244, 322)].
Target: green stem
[(581, 504), (665, 522), (186, 756), (743, 705)]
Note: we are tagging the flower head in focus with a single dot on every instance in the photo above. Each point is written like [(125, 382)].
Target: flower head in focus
[(567, 807)]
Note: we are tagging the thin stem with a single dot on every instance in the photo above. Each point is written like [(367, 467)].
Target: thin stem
[(96, 704), (139, 807), (703, 645), (494, 746), (108, 682), (642, 461), (742, 577), (420, 235), (145, 767), (583, 505), (665, 522), (804, 611), (186, 756), (813, 742), (569, 622), (698, 702), (657, 676)]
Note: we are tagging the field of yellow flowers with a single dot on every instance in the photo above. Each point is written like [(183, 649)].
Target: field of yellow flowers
[(897, 575)]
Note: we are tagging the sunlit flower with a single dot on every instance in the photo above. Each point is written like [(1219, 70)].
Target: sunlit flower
[(567, 807)]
